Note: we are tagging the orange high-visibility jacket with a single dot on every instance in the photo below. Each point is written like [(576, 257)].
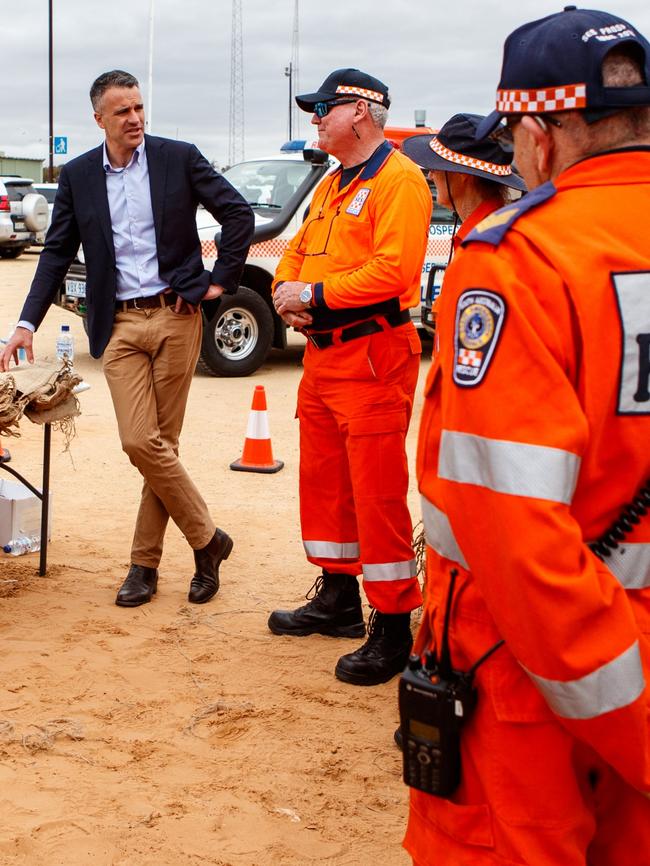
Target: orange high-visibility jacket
[(535, 434), (366, 243)]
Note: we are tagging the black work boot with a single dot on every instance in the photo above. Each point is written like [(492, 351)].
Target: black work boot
[(383, 655), (334, 610)]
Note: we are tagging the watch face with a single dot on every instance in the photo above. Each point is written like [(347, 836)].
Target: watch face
[(305, 295)]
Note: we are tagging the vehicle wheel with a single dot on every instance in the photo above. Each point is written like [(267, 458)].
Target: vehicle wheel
[(35, 212), (237, 339), (13, 253)]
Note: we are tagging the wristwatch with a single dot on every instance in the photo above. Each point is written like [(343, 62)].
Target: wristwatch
[(306, 295)]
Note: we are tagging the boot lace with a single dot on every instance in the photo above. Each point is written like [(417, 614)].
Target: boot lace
[(315, 589)]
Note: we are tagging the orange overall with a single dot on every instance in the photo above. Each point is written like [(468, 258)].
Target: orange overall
[(534, 436), (362, 247)]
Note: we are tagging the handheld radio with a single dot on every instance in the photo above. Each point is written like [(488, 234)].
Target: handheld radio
[(435, 702)]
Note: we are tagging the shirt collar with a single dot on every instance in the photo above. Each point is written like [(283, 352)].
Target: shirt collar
[(135, 158)]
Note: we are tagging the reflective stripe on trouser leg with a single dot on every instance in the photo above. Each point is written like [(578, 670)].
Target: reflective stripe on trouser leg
[(327, 516), (380, 481), (353, 468)]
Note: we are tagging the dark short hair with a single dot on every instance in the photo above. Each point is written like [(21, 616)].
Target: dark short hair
[(114, 78)]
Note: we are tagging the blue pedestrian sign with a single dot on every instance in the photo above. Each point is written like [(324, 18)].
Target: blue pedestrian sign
[(60, 144)]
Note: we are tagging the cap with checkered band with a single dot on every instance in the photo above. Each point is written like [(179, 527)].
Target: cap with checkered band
[(346, 84), (555, 64), (456, 148)]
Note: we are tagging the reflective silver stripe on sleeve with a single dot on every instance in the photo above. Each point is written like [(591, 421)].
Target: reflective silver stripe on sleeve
[(517, 468), (439, 534), (332, 549), (613, 686), (390, 570), (630, 565)]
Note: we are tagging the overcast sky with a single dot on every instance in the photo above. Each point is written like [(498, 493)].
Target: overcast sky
[(440, 55)]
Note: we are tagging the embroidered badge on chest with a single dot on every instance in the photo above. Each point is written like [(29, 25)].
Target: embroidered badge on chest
[(357, 203), (479, 319)]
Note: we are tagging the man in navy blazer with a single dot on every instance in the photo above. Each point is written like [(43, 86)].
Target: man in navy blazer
[(132, 204)]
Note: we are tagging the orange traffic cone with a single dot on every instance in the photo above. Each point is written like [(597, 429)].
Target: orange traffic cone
[(258, 455)]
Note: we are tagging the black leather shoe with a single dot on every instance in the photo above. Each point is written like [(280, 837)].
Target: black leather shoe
[(139, 587), (205, 583), (334, 610), (383, 655)]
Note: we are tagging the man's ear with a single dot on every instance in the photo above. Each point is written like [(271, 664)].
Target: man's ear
[(542, 141), (361, 110), (98, 120)]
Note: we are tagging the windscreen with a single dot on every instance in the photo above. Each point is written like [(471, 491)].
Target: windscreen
[(267, 183)]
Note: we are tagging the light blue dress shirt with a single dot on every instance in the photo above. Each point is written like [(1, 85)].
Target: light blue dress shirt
[(134, 235)]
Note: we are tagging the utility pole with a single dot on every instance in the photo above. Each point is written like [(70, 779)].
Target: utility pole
[(294, 87), (288, 71), (51, 95), (236, 137)]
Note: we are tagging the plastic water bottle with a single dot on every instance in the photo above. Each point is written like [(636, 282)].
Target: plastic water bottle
[(23, 544), (65, 344), (22, 354)]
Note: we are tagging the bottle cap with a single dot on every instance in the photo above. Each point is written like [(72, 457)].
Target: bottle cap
[(65, 327)]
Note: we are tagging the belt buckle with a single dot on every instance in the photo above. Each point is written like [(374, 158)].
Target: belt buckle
[(135, 305)]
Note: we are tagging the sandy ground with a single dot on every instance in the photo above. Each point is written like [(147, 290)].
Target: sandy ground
[(175, 734)]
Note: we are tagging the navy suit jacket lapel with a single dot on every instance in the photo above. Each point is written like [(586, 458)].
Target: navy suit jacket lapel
[(157, 166), (98, 195)]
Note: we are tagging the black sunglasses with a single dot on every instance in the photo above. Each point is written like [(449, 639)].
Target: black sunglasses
[(322, 108)]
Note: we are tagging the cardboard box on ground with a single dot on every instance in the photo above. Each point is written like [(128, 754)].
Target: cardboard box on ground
[(20, 512)]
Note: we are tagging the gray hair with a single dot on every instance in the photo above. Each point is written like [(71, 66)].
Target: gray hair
[(114, 78), (378, 113)]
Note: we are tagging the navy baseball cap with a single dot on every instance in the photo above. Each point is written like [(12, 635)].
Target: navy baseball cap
[(555, 64), (456, 148), (346, 82)]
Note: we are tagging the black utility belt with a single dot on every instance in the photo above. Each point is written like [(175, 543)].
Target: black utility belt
[(363, 329)]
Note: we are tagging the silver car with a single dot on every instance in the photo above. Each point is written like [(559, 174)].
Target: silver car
[(23, 215)]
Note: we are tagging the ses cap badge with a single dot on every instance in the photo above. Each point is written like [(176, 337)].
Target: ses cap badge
[(479, 319)]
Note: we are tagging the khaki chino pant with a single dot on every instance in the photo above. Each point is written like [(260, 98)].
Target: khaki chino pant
[(149, 363)]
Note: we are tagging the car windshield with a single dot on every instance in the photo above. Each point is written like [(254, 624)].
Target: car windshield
[(18, 191), (267, 183), (48, 191)]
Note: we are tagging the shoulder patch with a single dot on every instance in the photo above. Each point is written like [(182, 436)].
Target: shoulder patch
[(494, 227), (479, 318)]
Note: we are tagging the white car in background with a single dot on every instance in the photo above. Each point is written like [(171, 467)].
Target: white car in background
[(49, 191), (23, 215)]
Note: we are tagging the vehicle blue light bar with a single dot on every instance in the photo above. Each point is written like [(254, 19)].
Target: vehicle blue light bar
[(293, 145)]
